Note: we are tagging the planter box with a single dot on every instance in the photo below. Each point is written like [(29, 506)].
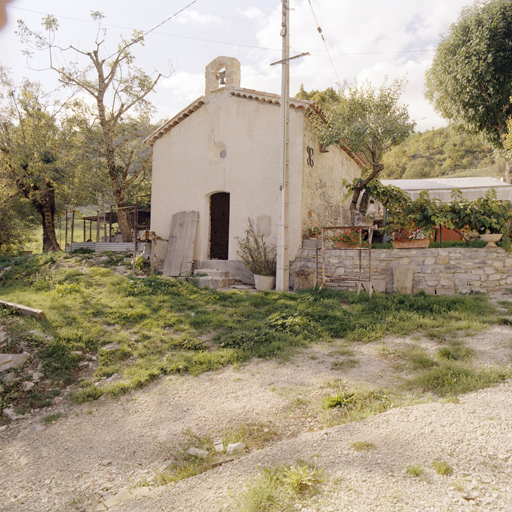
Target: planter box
[(412, 244)]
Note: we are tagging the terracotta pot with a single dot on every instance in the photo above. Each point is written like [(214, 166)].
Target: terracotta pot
[(342, 245), (412, 244), (491, 239), (264, 283)]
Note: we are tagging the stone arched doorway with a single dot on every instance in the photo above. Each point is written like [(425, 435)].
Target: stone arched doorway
[(219, 226)]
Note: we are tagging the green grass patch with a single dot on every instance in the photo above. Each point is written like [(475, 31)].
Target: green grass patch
[(362, 446), (415, 470), (170, 326), (452, 379), (279, 488), (52, 418), (442, 468)]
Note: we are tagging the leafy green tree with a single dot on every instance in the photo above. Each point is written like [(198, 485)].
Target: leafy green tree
[(470, 80), (368, 121), (30, 147), (117, 87)]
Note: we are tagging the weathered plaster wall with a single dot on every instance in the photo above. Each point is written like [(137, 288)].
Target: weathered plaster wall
[(188, 168), (441, 271), (323, 191)]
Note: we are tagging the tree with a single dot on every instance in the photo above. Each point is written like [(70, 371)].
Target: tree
[(470, 80), (366, 120), (117, 88), (30, 146)]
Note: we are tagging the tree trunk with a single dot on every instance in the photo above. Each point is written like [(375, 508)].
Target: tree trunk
[(508, 171), (43, 200)]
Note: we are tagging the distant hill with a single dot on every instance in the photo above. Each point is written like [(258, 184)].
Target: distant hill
[(442, 152)]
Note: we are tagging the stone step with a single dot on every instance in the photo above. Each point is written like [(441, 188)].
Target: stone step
[(215, 283), (208, 272)]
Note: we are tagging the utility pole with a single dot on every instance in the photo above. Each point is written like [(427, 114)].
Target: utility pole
[(283, 262)]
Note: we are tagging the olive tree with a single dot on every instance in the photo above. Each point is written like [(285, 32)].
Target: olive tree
[(470, 79), (118, 89), (367, 121)]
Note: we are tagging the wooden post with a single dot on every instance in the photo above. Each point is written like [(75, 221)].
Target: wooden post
[(90, 230), (105, 225), (72, 228), (97, 226), (66, 237), (152, 256), (110, 223), (85, 234)]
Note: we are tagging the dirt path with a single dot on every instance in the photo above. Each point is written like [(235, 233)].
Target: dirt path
[(95, 450)]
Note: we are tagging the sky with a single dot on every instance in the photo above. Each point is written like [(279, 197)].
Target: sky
[(366, 39)]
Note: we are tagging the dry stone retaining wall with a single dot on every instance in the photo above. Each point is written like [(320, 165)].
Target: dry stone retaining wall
[(435, 271)]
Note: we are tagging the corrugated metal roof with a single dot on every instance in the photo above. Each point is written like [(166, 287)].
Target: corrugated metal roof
[(441, 188)]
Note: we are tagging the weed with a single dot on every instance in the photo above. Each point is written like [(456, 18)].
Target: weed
[(342, 400), (442, 468), (279, 488), (52, 418), (415, 470), (363, 446)]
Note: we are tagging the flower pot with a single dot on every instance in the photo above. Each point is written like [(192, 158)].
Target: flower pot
[(491, 239), (264, 283), (340, 245), (412, 244)]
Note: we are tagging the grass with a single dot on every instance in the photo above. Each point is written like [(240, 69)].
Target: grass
[(442, 468), (162, 326), (52, 418), (453, 379), (415, 470), (182, 465), (362, 446), (280, 488)]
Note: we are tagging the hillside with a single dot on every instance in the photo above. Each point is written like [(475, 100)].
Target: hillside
[(443, 152)]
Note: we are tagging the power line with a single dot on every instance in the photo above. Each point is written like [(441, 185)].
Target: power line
[(325, 43), (222, 42)]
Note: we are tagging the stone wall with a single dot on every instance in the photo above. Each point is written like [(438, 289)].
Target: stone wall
[(435, 271)]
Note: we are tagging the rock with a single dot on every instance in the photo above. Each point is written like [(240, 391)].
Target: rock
[(37, 376), (218, 445), (11, 415), (9, 378), (8, 361), (110, 347), (27, 386), (196, 452), (234, 448), (122, 496)]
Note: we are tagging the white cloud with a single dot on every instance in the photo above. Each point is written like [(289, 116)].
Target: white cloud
[(252, 13), (194, 18), (366, 39)]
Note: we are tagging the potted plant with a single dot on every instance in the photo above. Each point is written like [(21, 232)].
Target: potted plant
[(410, 238), (489, 217), (259, 256), (346, 238), (312, 231)]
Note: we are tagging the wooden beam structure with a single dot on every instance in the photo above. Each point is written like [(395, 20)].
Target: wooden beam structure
[(24, 310)]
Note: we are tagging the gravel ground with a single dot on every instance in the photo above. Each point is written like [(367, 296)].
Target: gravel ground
[(97, 449)]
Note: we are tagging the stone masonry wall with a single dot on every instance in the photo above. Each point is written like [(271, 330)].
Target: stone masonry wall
[(435, 271)]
